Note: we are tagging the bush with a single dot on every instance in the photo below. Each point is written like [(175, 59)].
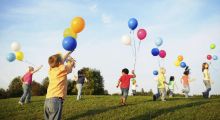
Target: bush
[(3, 94)]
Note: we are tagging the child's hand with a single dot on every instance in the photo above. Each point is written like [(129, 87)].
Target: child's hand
[(132, 72), (117, 86)]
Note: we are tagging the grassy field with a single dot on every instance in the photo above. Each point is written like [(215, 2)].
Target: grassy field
[(107, 108)]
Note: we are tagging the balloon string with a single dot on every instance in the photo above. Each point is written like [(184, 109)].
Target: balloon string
[(27, 62), (158, 59), (139, 46)]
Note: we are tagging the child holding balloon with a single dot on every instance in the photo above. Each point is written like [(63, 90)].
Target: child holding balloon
[(124, 82), (161, 79), (185, 81), (57, 88), (206, 79), (27, 81)]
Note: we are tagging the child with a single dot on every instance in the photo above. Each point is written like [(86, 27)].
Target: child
[(79, 83), (133, 87), (27, 81), (206, 79), (185, 82), (171, 86), (124, 83), (161, 85), (57, 88)]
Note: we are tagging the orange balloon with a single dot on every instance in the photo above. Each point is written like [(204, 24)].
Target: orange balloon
[(77, 24), (180, 58)]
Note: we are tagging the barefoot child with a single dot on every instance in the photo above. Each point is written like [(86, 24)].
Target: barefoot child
[(206, 79), (27, 81), (134, 86), (80, 79), (171, 85), (124, 83), (161, 85), (57, 88), (185, 81)]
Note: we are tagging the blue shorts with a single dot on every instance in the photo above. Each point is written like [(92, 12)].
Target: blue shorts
[(124, 92)]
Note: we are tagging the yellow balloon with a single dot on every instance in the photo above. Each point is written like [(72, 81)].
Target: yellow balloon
[(177, 63), (19, 55), (69, 32), (77, 24)]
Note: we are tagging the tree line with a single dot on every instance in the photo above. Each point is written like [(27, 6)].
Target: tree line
[(94, 86)]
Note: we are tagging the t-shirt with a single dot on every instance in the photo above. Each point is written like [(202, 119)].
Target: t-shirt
[(125, 80), (161, 80), (133, 85), (206, 75), (27, 78), (185, 80), (57, 82), (81, 79), (171, 85)]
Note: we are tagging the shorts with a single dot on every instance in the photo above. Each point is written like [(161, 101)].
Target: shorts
[(124, 92)]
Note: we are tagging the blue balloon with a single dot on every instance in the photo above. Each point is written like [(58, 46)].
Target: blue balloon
[(69, 43), (11, 57), (155, 72), (215, 57), (132, 23), (183, 64), (159, 42), (155, 51)]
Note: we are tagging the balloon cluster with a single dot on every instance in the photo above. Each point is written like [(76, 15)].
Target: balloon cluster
[(179, 62), (70, 34), (19, 55), (141, 33), (212, 57), (155, 51)]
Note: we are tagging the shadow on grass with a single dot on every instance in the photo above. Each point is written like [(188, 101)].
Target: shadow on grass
[(149, 116), (97, 111)]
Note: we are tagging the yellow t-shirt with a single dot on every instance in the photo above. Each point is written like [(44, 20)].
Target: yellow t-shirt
[(57, 82), (161, 80), (206, 75)]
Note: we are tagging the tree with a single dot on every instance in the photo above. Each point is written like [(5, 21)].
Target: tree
[(15, 87), (37, 89), (70, 87), (45, 84), (3, 93)]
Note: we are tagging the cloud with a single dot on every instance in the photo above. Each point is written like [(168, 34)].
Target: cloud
[(106, 19), (93, 8)]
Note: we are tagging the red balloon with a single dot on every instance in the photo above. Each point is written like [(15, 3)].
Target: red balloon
[(141, 34), (209, 57), (162, 53)]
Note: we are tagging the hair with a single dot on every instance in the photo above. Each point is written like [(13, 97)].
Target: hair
[(30, 68), (187, 71), (80, 73), (203, 66), (55, 60), (172, 78), (125, 70), (162, 69)]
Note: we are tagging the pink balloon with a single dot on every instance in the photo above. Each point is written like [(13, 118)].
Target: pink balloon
[(162, 53), (209, 57), (141, 34)]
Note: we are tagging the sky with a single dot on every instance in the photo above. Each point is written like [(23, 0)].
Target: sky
[(187, 28)]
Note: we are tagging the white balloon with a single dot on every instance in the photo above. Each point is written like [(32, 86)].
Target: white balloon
[(126, 40), (15, 46), (159, 42)]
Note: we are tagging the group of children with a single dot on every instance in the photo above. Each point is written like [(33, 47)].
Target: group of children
[(124, 83), (60, 67)]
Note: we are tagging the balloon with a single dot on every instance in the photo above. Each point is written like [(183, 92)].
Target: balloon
[(177, 63), (162, 53), (212, 46), (141, 34), (155, 72), (183, 64), (180, 58), (69, 43), (11, 57), (132, 23), (15, 46), (158, 42), (155, 51), (209, 57), (126, 40), (77, 24), (19, 55), (215, 57), (69, 32)]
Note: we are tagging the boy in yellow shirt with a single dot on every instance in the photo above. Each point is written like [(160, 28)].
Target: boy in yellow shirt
[(57, 88)]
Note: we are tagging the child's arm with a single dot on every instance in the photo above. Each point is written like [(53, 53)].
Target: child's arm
[(37, 69), (66, 56), (133, 73), (86, 80), (118, 83), (70, 65), (74, 78)]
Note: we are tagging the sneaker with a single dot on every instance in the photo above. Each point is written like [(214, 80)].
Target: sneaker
[(154, 97), (163, 100), (21, 103)]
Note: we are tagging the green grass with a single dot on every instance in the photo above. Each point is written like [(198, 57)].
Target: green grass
[(107, 108)]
